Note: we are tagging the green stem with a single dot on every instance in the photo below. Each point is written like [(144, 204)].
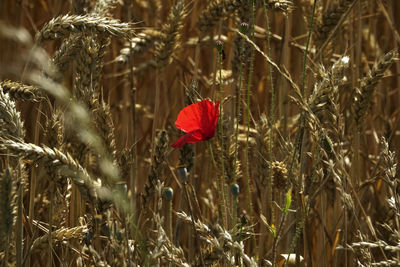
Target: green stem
[(221, 130), (269, 196), (220, 190), (169, 214), (271, 114), (307, 47), (239, 104), (300, 133), (300, 225), (247, 174)]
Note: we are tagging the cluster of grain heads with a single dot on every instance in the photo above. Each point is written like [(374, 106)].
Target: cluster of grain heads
[(221, 9), (324, 98)]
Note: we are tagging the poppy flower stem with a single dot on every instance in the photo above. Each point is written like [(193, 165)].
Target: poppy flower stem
[(222, 180), (247, 172), (261, 244), (238, 112), (220, 190)]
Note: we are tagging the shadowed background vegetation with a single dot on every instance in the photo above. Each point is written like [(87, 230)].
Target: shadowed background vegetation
[(302, 169)]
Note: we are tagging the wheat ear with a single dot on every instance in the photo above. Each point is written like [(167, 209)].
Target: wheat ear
[(20, 91), (61, 234), (8, 205), (368, 85), (158, 163), (63, 26), (170, 34), (67, 52), (10, 119), (56, 161)]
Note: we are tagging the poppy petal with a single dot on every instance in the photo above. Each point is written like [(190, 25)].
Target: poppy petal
[(189, 118), (211, 125), (192, 137), (199, 120), (207, 118)]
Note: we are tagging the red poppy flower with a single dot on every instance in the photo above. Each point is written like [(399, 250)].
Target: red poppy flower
[(198, 121)]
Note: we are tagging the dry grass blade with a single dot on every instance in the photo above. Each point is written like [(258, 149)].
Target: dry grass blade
[(284, 73), (65, 25)]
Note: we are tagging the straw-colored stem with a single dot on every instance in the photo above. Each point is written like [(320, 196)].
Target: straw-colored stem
[(193, 223), (50, 249), (270, 147), (300, 224), (6, 251), (310, 30), (19, 231)]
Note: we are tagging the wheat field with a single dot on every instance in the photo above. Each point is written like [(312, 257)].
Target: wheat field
[(302, 169)]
